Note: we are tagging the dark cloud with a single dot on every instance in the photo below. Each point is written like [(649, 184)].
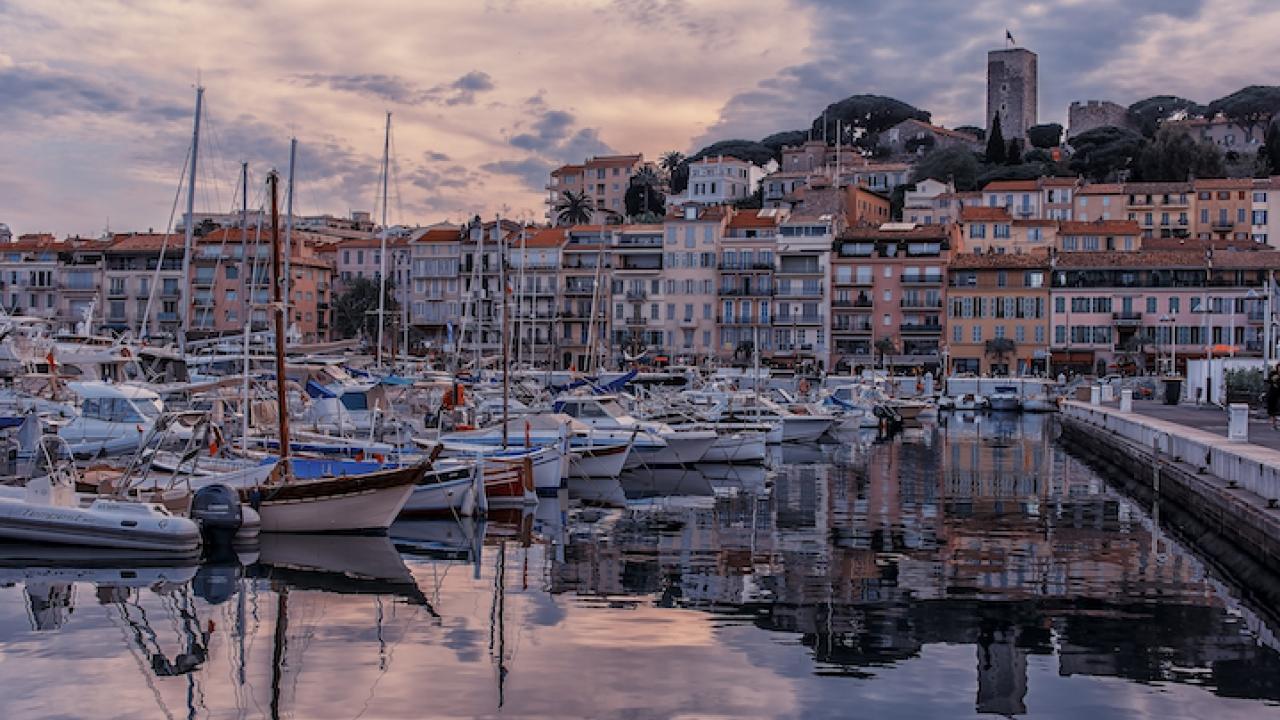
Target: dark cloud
[(665, 14), (435, 156), (399, 90), (552, 140), (532, 171), (861, 46), (37, 91)]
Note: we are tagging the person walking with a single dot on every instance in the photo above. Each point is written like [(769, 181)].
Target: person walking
[(1273, 397)]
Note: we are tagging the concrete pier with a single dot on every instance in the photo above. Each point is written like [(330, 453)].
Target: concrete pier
[(1233, 488)]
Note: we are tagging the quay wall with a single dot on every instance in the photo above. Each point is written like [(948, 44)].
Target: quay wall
[(1230, 488)]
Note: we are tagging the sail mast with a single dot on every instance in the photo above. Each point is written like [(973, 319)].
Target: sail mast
[(502, 329), (382, 256), (246, 289), (288, 224), (277, 306), (189, 227)]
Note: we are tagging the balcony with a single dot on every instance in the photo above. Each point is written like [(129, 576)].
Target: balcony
[(856, 281), (1222, 227), (637, 320), (920, 303), (739, 320), (863, 328), (920, 328), (746, 292), (1127, 318), (1256, 317), (798, 319), (799, 291), (573, 289), (637, 295), (167, 317), (744, 267), (920, 279)]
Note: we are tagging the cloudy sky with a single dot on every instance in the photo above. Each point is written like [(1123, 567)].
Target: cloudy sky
[(487, 95)]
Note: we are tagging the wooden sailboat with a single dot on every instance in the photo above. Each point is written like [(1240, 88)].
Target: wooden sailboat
[(312, 496)]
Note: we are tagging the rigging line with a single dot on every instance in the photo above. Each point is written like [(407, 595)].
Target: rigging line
[(168, 230), (217, 265)]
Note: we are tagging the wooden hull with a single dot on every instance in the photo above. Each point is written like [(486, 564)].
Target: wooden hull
[(355, 503)]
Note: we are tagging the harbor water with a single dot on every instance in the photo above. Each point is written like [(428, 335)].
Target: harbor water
[(971, 568)]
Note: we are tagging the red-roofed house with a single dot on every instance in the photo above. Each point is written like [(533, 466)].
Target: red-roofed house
[(434, 299), (534, 261)]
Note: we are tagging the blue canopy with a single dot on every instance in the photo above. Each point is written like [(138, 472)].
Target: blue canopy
[(316, 390)]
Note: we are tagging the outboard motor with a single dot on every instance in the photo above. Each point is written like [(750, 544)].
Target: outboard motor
[(217, 509)]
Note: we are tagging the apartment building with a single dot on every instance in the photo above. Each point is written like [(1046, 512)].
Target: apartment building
[(434, 294), (692, 241), (1157, 308), (584, 296), (1161, 209), (603, 178), (534, 263), (1057, 197), (1223, 209), (992, 230), (133, 284), (745, 285), (719, 180), (1099, 201), (1099, 235), (639, 294), (1022, 199), (929, 202), (482, 267), (231, 286), (801, 322), (998, 313), (81, 267), (28, 267), (900, 268), (361, 258)]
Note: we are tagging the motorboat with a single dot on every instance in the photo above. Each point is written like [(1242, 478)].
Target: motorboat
[(48, 510), (969, 402), (592, 452), (1004, 399), (110, 419), (654, 443), (749, 408), (447, 490)]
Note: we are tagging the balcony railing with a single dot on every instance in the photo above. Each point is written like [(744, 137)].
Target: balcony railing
[(745, 292), (637, 294), (920, 303), (920, 328), (854, 328), (799, 291), (741, 266), (1127, 317), (797, 318), (921, 279)]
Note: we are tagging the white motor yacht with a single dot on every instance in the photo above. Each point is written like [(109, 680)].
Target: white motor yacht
[(654, 443)]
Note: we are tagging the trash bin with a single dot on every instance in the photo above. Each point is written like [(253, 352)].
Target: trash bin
[(1172, 390)]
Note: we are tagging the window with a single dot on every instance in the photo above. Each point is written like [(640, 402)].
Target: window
[(957, 333), (1060, 305), (1175, 304), (1151, 305), (977, 333), (1060, 334), (1002, 279)]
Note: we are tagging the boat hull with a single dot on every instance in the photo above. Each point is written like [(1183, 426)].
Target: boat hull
[(744, 447), (598, 462), (356, 503), (804, 428), (97, 526)]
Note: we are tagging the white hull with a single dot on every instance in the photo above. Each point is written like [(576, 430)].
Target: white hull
[(100, 525), (366, 510), (585, 464), (741, 447), (681, 448), (804, 428), (454, 496)]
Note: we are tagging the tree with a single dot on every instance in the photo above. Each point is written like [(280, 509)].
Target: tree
[(1269, 153), (872, 113), (1103, 153), (643, 196), (574, 208), (973, 130), (671, 160), (679, 179), (996, 147), (1013, 155), (1174, 157), (956, 164), (885, 347), (787, 138), (754, 201), (1045, 135), (749, 150), (1000, 348), (1249, 107), (1148, 114), (356, 309)]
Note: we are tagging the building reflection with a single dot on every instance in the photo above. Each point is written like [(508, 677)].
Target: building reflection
[(980, 532)]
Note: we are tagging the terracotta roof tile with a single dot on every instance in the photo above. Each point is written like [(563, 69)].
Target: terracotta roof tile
[(1003, 185), (1189, 259), (975, 261), (1103, 227), (980, 213)]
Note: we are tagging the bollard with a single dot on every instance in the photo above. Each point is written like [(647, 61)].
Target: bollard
[(1095, 395), (1108, 393), (1126, 400), (1238, 422)]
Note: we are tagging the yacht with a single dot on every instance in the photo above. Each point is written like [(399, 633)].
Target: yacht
[(654, 443)]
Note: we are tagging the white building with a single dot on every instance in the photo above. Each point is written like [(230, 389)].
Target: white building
[(719, 180)]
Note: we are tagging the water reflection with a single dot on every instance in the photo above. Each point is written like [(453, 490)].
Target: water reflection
[(970, 567)]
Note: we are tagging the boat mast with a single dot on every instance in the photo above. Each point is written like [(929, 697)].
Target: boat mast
[(382, 256), (246, 289), (521, 325), (502, 329), (277, 305), (189, 227), (288, 224)]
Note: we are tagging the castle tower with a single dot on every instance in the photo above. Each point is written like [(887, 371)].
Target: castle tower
[(1011, 90)]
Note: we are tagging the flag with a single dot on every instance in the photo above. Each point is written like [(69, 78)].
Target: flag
[(1009, 36)]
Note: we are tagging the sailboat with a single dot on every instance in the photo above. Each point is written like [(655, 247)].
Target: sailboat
[(313, 496)]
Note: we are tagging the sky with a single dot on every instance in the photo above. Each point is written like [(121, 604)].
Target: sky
[(486, 96)]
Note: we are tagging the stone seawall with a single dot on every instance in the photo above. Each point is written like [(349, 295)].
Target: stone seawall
[(1211, 505)]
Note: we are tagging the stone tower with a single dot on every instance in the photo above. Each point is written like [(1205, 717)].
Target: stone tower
[(1011, 91)]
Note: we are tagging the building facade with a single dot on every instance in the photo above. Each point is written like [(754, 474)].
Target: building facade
[(998, 313)]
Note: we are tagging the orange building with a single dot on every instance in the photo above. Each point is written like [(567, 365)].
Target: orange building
[(998, 313), (1223, 208)]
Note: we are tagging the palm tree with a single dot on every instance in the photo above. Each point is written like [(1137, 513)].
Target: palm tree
[(671, 160), (646, 176), (574, 208)]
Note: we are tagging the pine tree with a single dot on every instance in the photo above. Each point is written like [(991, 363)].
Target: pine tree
[(996, 149)]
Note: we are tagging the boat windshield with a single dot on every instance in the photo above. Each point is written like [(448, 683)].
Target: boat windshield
[(120, 410), (355, 401)]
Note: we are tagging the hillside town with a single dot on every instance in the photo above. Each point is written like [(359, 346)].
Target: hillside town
[(829, 257)]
